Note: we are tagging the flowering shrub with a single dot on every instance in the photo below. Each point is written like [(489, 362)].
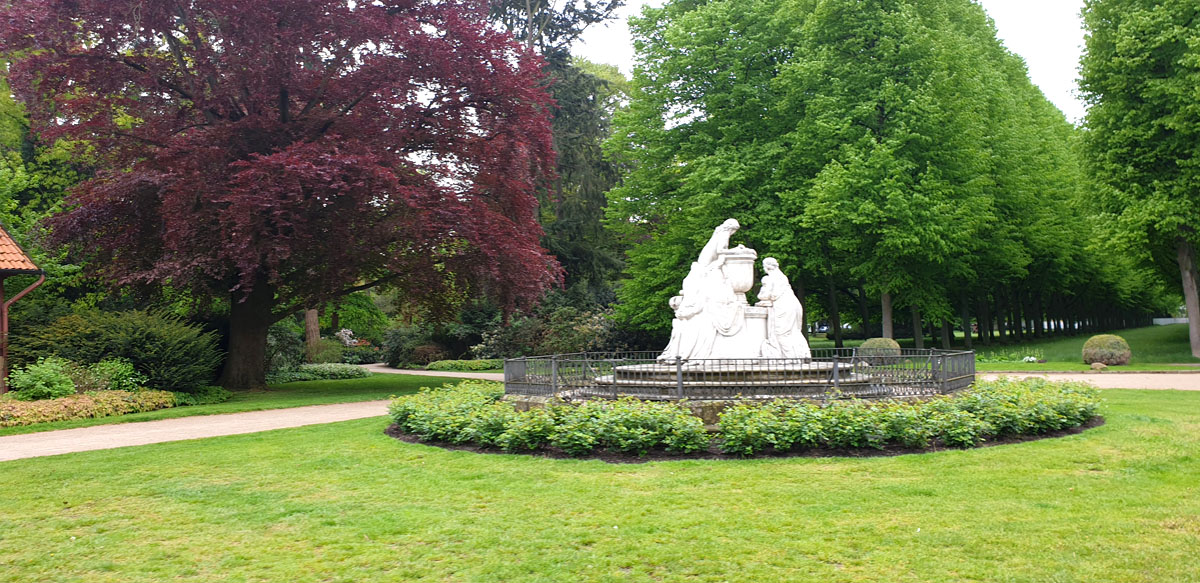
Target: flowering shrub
[(346, 336), (83, 406)]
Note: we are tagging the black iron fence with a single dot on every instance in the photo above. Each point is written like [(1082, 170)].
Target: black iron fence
[(830, 373)]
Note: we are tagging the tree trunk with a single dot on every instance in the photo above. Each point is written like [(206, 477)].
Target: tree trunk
[(965, 314), (800, 293), (918, 330), (249, 319), (864, 311), (947, 330), (835, 316), (312, 333), (1191, 297), (886, 304)]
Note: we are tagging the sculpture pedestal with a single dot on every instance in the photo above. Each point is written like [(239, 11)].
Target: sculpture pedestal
[(748, 341)]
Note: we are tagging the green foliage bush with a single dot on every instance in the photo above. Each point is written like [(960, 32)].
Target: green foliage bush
[(426, 353), (879, 351), (1109, 349), (472, 412), (560, 330), (399, 343), (83, 406), (173, 354), (1001, 408), (466, 365), (327, 350), (285, 345), (364, 354), (207, 395), (318, 372), (49, 378), (114, 374)]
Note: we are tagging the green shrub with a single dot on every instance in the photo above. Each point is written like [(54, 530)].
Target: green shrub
[(49, 378), (991, 409), (363, 354), (627, 425), (399, 343), (1109, 349), (466, 365), (208, 395), (325, 351), (472, 412), (83, 406), (528, 431), (117, 374), (554, 330), (318, 372), (285, 345), (173, 354), (879, 351)]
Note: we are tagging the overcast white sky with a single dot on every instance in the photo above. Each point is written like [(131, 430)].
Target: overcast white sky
[(1048, 34)]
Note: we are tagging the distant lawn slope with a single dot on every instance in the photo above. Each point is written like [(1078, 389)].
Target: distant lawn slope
[(1152, 346)]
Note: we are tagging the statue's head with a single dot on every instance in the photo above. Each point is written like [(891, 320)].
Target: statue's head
[(731, 224), (771, 264)]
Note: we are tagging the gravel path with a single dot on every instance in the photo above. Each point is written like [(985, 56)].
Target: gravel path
[(1184, 381), (46, 443)]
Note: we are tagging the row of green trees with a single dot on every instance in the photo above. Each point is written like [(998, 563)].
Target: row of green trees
[(893, 156)]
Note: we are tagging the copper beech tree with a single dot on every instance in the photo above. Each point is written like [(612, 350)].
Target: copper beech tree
[(280, 153)]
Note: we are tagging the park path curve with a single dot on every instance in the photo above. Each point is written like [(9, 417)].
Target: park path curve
[(13, 447)]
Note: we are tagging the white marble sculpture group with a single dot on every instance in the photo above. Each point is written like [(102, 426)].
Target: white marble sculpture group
[(713, 319)]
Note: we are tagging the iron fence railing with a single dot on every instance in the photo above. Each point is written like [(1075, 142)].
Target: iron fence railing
[(830, 372)]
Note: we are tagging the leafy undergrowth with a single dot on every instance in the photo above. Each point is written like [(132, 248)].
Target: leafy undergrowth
[(473, 414)]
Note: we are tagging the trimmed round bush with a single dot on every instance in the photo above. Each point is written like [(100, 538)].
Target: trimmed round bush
[(879, 351), (1109, 349), (880, 347)]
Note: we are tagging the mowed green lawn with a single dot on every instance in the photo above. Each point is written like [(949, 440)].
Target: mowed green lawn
[(343, 502)]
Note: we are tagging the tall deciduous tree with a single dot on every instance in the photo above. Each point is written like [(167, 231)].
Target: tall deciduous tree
[(1140, 75), (573, 211), (281, 153)]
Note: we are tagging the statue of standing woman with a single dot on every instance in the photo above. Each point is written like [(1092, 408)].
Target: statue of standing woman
[(785, 321)]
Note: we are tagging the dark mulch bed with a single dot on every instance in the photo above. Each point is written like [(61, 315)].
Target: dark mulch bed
[(714, 453)]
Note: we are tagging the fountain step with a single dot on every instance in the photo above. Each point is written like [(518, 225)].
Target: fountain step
[(845, 378)]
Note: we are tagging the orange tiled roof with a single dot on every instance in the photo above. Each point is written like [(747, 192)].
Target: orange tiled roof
[(12, 258)]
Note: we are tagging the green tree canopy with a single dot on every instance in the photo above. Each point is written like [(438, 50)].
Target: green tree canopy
[(1140, 76)]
